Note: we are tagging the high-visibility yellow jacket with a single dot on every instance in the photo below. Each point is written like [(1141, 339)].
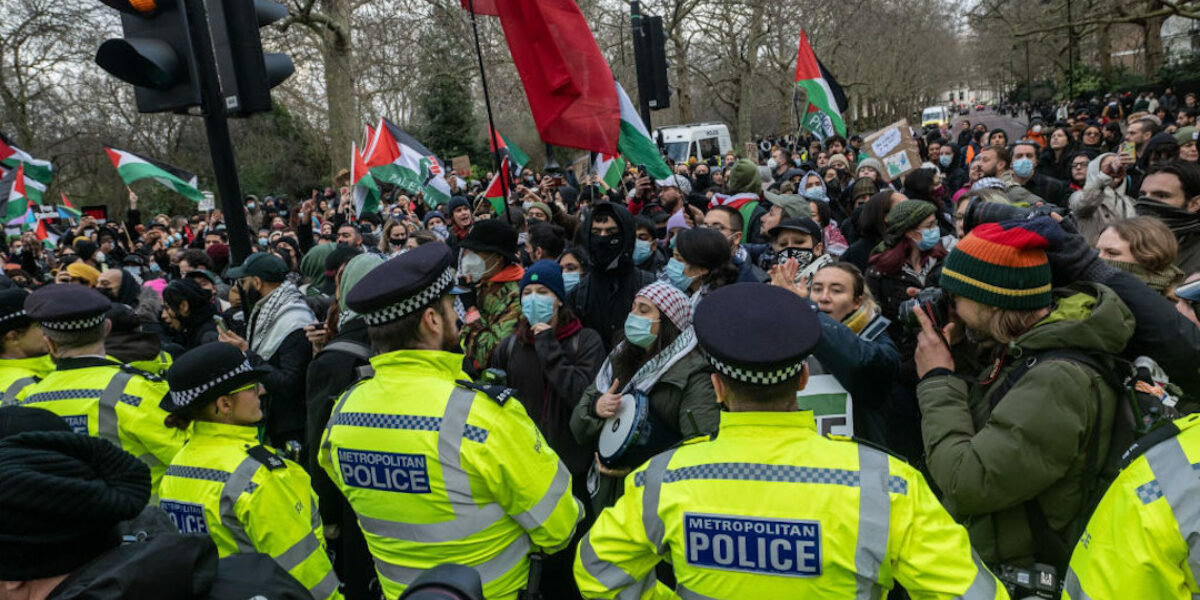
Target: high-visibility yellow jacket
[(16, 373), (438, 472), (248, 499), (105, 399), (1140, 542), (770, 509)]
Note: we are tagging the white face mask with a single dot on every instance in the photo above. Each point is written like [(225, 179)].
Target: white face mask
[(772, 163), (471, 265)]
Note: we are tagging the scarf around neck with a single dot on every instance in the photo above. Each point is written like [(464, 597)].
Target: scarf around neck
[(275, 317), (653, 370), (1181, 222)]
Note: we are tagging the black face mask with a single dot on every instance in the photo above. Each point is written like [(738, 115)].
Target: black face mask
[(250, 297), (398, 241), (604, 249)]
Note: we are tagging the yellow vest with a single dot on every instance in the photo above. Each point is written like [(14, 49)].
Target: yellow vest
[(247, 499), (438, 473), (102, 398), (770, 509), (1138, 543), (16, 373)]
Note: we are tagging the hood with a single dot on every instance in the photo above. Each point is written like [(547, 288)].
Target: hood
[(1097, 178), (1157, 141), (804, 180), (624, 221), (1087, 316), (168, 567)]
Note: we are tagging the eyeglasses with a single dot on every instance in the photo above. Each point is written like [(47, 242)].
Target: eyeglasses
[(1079, 166), (716, 227)]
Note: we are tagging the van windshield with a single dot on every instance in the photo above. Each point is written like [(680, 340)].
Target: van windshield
[(677, 151), (932, 114)]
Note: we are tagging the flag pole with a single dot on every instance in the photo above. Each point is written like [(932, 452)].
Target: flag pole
[(487, 102)]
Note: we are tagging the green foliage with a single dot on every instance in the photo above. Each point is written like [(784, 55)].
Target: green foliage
[(447, 119), (1182, 69)]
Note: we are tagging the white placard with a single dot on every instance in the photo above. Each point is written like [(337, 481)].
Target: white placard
[(831, 405)]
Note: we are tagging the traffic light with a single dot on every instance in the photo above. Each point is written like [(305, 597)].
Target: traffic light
[(255, 72), (155, 55), (650, 58)]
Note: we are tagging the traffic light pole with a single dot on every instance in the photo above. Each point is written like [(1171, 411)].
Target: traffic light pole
[(216, 125), (641, 62)]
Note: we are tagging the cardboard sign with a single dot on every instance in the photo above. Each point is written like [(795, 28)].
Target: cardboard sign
[(207, 201), (751, 151), (461, 165), (895, 147), (582, 167), (831, 404)]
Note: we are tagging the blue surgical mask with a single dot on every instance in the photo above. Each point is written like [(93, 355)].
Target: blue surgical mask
[(816, 193), (641, 251), (262, 242), (638, 330), (945, 160), (1023, 167), (570, 280), (929, 238), (537, 308), (154, 267), (675, 275)]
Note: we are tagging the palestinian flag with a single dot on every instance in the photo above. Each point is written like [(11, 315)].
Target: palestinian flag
[(635, 144), (495, 192), (821, 92), (366, 192), (37, 172), (17, 200), (609, 168), (398, 158), (516, 158), (67, 211), (132, 167)]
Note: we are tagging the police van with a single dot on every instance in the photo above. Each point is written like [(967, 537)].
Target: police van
[(701, 140)]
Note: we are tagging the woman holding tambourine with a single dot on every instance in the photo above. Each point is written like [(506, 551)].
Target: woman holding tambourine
[(653, 390)]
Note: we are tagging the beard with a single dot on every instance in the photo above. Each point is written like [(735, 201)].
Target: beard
[(451, 337)]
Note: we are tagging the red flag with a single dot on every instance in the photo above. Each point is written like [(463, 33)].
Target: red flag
[(570, 88), (482, 7)]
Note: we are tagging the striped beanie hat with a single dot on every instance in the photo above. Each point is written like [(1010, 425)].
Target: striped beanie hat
[(1001, 265)]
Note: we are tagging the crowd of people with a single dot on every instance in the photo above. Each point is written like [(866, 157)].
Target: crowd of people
[(368, 396)]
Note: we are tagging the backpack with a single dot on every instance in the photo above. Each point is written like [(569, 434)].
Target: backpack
[(1146, 407)]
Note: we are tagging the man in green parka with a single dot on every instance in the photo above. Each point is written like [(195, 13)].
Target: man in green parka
[(1017, 466)]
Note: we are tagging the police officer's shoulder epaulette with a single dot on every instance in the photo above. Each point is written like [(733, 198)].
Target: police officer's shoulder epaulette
[(862, 442), (266, 458), (1157, 436), (128, 368), (696, 439), (499, 393)]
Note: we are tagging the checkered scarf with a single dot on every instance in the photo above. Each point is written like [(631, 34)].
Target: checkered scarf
[(274, 317), (676, 307)]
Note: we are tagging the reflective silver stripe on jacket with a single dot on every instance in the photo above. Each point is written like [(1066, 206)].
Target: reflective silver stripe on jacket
[(874, 521), (765, 472), (469, 517), (14, 388), (1072, 587), (983, 587), (534, 517), (489, 570), (608, 574), (651, 521), (106, 420), (238, 482), (1180, 485), (686, 594)]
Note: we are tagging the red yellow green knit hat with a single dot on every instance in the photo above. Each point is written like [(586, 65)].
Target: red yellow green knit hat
[(1000, 266)]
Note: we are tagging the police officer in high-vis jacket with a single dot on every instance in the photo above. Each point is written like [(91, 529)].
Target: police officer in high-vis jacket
[(23, 355), (1142, 540), (225, 484), (437, 468), (97, 395), (767, 507)]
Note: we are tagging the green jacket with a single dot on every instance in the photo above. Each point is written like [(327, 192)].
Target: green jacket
[(1033, 445), (683, 398)]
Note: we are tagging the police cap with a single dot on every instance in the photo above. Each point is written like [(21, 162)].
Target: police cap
[(402, 285), (12, 309), (775, 331), (206, 373), (67, 307)]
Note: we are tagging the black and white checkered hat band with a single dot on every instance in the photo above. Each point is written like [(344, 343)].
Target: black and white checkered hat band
[(74, 325), (19, 313), (756, 377), (182, 398), (400, 310)]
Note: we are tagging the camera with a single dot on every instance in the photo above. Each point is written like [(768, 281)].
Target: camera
[(980, 211), (1038, 581), (933, 301)]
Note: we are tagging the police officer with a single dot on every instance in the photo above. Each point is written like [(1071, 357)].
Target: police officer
[(439, 469), (223, 483), (94, 394), (767, 508), (23, 355), (1140, 542)]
